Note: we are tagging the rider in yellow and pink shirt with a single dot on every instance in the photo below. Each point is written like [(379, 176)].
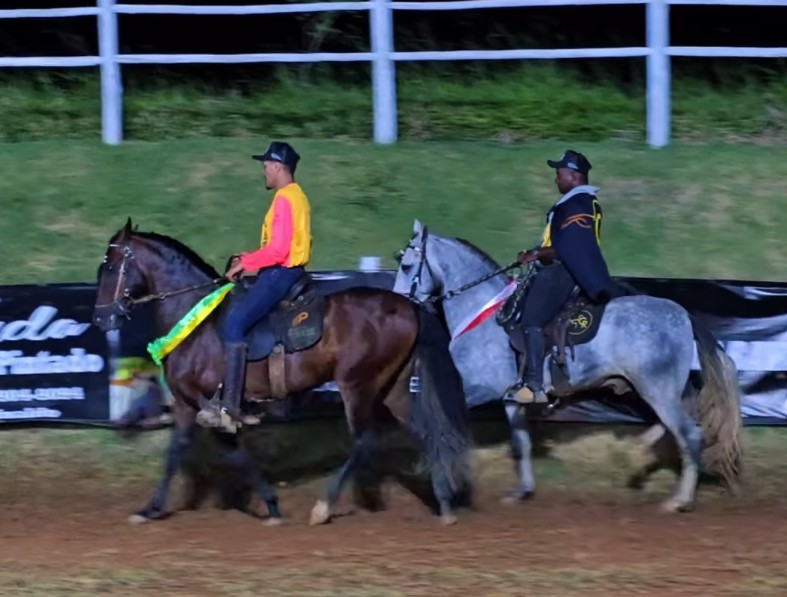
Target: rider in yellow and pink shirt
[(286, 235), (286, 245)]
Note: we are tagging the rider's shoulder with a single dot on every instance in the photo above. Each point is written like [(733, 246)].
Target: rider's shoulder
[(291, 191), (297, 188), (582, 201), (586, 193)]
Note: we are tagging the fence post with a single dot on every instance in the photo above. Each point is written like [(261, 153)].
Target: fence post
[(659, 76), (383, 72), (111, 83)]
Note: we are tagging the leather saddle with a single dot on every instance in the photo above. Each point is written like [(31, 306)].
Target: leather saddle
[(576, 323), (295, 324)]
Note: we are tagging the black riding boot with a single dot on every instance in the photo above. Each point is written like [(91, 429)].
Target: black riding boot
[(225, 413), (234, 378), (534, 375), (531, 388)]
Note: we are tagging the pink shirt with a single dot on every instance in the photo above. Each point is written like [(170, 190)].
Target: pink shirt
[(277, 251)]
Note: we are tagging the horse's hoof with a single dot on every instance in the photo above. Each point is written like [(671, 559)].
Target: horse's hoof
[(148, 515), (516, 498), (143, 517), (321, 513), (448, 519), (673, 506), (275, 521), (137, 519)]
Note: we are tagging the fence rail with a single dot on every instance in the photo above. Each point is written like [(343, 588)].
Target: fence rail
[(383, 56)]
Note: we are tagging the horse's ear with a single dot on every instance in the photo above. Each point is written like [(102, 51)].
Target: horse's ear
[(126, 229), (417, 227)]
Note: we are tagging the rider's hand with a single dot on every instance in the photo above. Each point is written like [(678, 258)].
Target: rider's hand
[(527, 256), (235, 269)]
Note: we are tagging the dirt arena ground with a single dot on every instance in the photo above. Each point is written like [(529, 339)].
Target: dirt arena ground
[(64, 531)]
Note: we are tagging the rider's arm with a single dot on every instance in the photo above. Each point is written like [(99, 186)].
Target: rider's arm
[(278, 249), (546, 255)]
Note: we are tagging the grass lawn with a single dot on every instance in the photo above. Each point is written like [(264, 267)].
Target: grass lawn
[(708, 211)]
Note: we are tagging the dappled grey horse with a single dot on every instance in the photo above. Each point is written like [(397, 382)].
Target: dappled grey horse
[(643, 343)]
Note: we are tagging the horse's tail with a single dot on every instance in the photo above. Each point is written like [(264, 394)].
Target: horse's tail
[(439, 412), (719, 408)]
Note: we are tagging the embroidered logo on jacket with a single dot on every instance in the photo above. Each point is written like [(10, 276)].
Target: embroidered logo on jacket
[(581, 220)]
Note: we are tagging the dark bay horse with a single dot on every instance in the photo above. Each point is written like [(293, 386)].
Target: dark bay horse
[(370, 343)]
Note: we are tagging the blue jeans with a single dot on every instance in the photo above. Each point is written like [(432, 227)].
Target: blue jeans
[(261, 298)]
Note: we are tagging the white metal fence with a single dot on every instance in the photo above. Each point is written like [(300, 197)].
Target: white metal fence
[(383, 55)]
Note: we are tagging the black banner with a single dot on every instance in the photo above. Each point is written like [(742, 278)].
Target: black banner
[(749, 319), (53, 363), (54, 366)]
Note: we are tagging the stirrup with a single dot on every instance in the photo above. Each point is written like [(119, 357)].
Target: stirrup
[(525, 395), (214, 414), (521, 393)]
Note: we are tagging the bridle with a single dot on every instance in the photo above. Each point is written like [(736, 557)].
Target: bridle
[(424, 261), (122, 300)]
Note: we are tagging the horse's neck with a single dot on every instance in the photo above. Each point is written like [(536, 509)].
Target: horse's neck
[(171, 310), (462, 267), (174, 275)]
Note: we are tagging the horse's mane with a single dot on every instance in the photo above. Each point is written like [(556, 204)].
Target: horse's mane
[(177, 246), (483, 255)]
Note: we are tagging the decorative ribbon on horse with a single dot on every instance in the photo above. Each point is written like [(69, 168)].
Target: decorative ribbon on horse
[(161, 347), (485, 312)]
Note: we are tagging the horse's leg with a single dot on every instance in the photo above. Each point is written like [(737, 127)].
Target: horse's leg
[(445, 496), (179, 444), (359, 456), (400, 404), (650, 462), (367, 481), (242, 460), (688, 437), (359, 410), (521, 447)]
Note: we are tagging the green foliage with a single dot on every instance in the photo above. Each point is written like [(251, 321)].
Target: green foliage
[(710, 211), (530, 103)]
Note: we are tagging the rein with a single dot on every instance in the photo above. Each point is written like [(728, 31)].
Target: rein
[(165, 295), (457, 291), (451, 293)]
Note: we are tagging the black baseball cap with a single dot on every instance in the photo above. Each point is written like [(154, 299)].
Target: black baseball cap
[(572, 160), (278, 151)]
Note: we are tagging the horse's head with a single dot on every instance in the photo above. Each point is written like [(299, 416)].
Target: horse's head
[(416, 276), (119, 280)]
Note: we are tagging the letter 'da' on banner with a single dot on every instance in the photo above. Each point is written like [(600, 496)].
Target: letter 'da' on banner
[(54, 364)]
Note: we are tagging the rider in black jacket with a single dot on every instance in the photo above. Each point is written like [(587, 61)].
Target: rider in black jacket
[(571, 254)]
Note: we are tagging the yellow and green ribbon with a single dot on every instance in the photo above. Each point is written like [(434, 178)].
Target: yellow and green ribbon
[(160, 348)]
